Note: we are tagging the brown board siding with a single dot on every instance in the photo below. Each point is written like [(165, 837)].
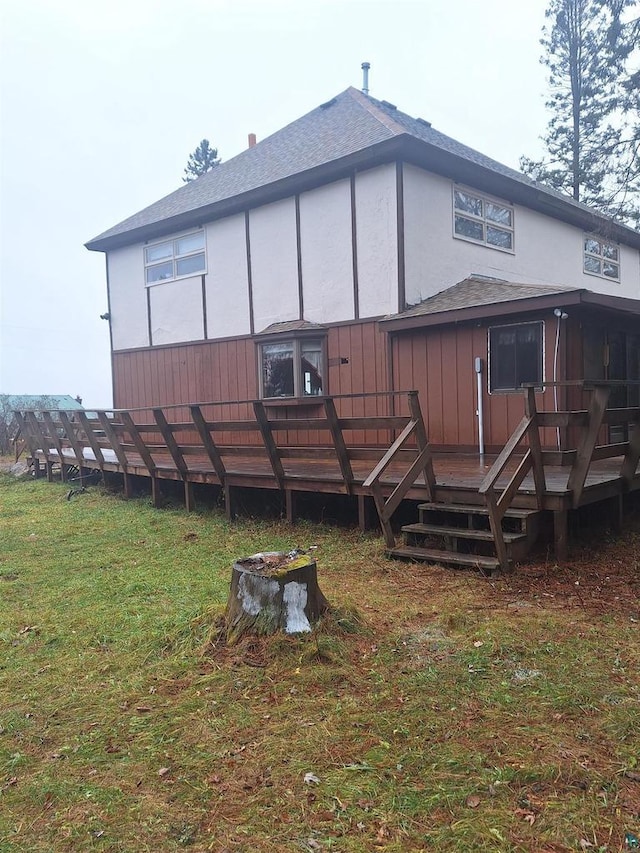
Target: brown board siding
[(439, 363), (210, 371)]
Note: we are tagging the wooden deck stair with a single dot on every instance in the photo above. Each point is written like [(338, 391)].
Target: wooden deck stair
[(460, 535)]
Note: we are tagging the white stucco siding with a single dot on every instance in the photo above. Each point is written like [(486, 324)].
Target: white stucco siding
[(326, 252), (274, 263), (226, 284), (176, 311), (377, 241), (546, 250), (127, 298)]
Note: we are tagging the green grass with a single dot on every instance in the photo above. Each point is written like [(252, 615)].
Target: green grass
[(439, 710)]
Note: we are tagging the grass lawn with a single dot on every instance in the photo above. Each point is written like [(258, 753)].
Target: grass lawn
[(435, 710)]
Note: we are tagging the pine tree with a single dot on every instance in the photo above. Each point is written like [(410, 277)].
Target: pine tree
[(202, 160), (588, 45)]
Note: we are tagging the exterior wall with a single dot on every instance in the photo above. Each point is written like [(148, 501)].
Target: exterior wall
[(439, 363), (227, 280), (377, 241), (274, 263), (292, 260), (326, 253), (546, 251), (127, 298), (173, 320)]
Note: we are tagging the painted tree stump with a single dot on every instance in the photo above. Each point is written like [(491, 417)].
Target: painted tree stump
[(273, 591)]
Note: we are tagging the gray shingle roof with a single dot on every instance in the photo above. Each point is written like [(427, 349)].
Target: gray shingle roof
[(350, 123), (479, 290), (292, 326)]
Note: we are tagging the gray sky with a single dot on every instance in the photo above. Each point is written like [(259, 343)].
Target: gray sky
[(103, 100)]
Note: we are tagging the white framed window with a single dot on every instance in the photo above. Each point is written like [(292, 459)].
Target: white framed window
[(294, 367), (601, 258), (516, 356), (178, 258), (480, 219)]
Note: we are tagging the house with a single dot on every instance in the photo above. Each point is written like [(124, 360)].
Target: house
[(359, 249)]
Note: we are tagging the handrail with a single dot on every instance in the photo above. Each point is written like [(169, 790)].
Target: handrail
[(498, 505), (422, 463)]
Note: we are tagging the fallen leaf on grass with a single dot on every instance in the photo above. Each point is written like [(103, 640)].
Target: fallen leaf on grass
[(633, 775), (584, 844), (473, 801), (142, 709), (311, 779), (164, 771), (526, 815)]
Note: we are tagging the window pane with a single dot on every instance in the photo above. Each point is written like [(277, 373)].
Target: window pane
[(610, 270), (498, 237), (515, 356), (277, 370), (592, 246), (311, 355), (610, 251), (501, 215), (159, 252), (160, 272), (468, 203), (191, 243), (189, 265), (528, 352), (469, 228), (592, 265)]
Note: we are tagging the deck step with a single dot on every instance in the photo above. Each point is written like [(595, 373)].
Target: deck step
[(447, 558), (459, 532), (474, 509)]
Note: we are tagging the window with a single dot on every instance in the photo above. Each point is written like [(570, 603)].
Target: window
[(601, 258), (292, 368), (173, 259), (515, 356), (482, 220)]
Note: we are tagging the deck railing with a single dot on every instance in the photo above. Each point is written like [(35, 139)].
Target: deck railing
[(187, 440), (422, 464), (589, 423)]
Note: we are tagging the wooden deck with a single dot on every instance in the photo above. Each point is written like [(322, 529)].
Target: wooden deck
[(325, 454)]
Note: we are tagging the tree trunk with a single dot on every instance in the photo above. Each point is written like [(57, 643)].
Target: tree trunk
[(273, 591)]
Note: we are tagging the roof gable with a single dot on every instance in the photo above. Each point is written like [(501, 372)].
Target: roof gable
[(351, 130)]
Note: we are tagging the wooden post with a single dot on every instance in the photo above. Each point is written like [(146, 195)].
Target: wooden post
[(127, 486), (55, 438), (632, 456), (138, 442), (365, 514), (189, 497), (584, 455), (534, 443), (156, 494), (91, 438), (290, 505), (209, 445), (269, 442), (423, 443), (229, 502), (339, 443)]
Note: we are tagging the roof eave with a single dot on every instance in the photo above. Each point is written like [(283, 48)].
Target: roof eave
[(450, 165), (482, 312), (381, 152)]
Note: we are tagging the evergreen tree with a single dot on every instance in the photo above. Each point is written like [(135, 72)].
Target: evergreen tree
[(589, 140), (202, 160)]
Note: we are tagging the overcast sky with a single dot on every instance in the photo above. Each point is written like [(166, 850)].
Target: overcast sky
[(102, 102)]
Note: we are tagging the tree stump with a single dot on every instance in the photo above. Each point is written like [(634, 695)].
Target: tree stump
[(273, 591)]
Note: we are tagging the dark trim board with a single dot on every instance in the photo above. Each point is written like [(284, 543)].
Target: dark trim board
[(402, 299)]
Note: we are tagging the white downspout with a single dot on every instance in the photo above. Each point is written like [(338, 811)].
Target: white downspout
[(480, 410)]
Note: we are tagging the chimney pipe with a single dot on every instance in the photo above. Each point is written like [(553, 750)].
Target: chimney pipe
[(252, 140), (365, 77)]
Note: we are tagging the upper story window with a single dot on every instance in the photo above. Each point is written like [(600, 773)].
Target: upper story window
[(178, 258), (482, 220), (292, 368), (515, 356), (601, 258)]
